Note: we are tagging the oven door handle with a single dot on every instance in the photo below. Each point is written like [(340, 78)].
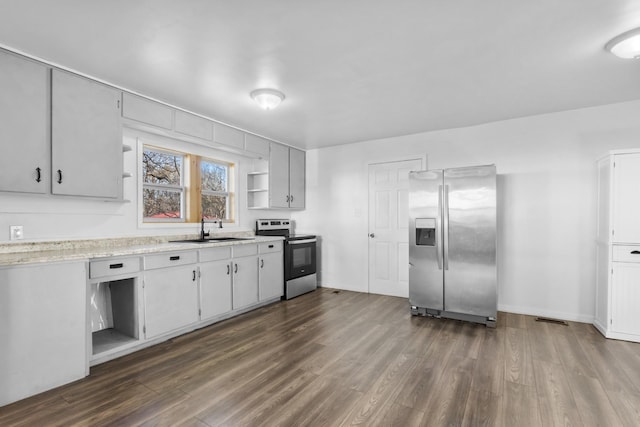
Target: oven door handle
[(301, 242)]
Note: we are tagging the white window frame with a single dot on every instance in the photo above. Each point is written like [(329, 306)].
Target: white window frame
[(181, 189), (227, 194)]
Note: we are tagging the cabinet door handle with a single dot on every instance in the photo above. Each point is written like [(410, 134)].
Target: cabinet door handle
[(635, 252), (174, 258), (38, 174), (235, 269), (291, 198), (287, 198), (59, 176), (118, 265), (228, 269), (270, 246), (262, 263), (194, 276)]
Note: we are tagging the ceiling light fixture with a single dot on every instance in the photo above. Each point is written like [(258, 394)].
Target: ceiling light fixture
[(626, 45), (267, 99)]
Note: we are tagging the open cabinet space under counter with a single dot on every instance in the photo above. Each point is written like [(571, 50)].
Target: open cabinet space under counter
[(113, 308)]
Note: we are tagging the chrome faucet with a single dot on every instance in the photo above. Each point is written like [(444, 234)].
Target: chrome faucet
[(202, 232)]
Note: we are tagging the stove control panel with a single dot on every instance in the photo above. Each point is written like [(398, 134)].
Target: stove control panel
[(273, 224)]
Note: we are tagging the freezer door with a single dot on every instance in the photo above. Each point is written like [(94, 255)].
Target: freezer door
[(469, 223), (425, 239)]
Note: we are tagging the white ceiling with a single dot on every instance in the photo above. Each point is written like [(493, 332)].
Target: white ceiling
[(352, 70)]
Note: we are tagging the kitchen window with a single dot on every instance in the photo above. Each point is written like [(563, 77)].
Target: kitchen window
[(184, 187), (215, 198), (163, 188)]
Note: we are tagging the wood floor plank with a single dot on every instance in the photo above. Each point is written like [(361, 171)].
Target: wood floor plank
[(384, 390), (541, 343), (519, 366), (489, 373), (446, 404), (482, 409), (592, 401), (520, 406), (557, 405), (343, 358)]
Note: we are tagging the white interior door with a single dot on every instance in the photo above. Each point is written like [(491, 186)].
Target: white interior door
[(389, 227)]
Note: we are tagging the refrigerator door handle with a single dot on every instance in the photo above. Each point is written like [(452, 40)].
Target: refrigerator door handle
[(439, 229), (445, 225)]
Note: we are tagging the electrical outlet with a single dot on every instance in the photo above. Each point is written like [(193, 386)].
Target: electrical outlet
[(17, 233)]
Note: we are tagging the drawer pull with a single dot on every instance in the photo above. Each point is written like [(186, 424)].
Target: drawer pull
[(174, 258), (635, 252), (114, 266), (270, 246)]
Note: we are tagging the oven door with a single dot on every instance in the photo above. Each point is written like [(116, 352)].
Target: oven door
[(300, 258)]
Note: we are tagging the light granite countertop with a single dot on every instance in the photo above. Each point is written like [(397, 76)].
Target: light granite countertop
[(75, 250)]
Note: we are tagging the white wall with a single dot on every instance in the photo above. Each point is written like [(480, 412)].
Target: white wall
[(547, 189), (46, 217)]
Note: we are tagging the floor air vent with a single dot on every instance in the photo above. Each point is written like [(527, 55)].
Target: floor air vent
[(548, 320)]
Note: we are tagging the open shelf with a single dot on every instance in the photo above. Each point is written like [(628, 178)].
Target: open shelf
[(114, 320), (110, 339), (258, 190)]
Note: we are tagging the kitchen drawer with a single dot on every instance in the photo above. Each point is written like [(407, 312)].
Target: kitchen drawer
[(626, 253), (170, 259), (113, 267), (245, 250), (215, 254), (268, 247)]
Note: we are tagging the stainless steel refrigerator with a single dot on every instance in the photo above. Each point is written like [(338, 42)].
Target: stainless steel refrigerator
[(452, 243)]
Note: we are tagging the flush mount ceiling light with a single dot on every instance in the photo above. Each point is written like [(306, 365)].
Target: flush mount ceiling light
[(267, 99), (626, 45)]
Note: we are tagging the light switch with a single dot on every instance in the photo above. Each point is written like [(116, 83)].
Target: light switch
[(16, 232)]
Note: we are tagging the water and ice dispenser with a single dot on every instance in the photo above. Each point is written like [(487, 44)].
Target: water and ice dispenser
[(425, 231)]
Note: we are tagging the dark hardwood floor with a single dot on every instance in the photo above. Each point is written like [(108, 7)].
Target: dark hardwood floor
[(332, 359)]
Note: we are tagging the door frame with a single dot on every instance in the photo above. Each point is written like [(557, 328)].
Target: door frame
[(423, 160)]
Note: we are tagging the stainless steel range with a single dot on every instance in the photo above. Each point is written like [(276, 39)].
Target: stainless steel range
[(299, 256)]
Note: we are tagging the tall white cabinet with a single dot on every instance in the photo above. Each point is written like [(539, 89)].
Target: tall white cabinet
[(618, 246)]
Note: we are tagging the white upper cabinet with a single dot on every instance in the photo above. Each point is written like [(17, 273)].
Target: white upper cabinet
[(86, 137), (257, 145), (147, 111), (24, 136), (227, 135), (192, 125), (626, 198), (296, 178), (279, 176), (286, 177)]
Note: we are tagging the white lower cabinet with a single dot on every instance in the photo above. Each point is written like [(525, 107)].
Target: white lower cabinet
[(625, 299), (215, 282), (42, 328), (215, 288), (271, 272), (245, 275), (170, 293), (618, 292)]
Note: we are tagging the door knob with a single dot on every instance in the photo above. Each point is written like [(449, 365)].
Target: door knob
[(372, 235)]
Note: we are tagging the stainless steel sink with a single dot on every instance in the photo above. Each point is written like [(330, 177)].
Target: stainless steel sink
[(212, 240)]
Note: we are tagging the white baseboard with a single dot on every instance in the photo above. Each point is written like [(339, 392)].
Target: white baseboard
[(531, 311)]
